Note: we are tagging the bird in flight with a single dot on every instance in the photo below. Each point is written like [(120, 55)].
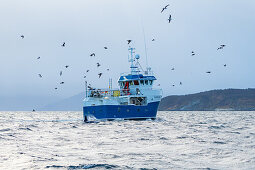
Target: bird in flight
[(208, 72), (164, 8), (169, 19), (129, 41), (89, 87), (40, 75), (93, 54), (221, 47), (108, 69), (158, 84), (38, 58), (84, 76), (173, 85), (180, 83), (225, 65), (105, 48), (193, 53), (66, 66), (87, 71), (56, 88), (100, 74), (60, 73), (98, 65), (62, 82), (22, 36), (64, 44), (153, 39), (172, 68)]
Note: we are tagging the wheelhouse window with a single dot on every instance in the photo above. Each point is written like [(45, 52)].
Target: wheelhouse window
[(136, 82), (142, 82), (146, 82), (150, 82), (121, 84), (131, 83)]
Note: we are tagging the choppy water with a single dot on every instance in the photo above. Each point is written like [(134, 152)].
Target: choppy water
[(176, 140)]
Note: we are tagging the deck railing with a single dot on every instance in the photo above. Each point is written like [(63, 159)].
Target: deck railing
[(108, 92), (116, 92)]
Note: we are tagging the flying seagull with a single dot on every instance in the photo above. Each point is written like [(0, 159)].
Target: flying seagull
[(87, 71), (98, 65), (129, 41), (60, 73), (66, 66), (56, 88), (172, 68), (108, 69), (153, 39), (180, 83), (38, 58), (62, 82), (208, 72), (164, 8), (100, 74), (173, 85), (193, 53), (40, 75), (84, 76), (169, 19), (225, 65), (221, 47), (64, 44), (89, 87), (93, 54), (22, 36), (105, 48)]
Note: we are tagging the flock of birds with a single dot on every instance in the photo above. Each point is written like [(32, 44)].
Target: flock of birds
[(192, 52), (66, 66), (128, 42), (170, 16)]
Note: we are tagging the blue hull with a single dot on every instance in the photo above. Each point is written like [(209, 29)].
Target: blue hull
[(121, 111)]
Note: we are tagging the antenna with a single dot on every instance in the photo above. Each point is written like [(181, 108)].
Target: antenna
[(145, 47), (86, 87)]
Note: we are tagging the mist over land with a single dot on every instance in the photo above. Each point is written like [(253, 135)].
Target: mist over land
[(214, 100)]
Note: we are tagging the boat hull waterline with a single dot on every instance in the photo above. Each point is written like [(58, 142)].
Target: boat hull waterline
[(121, 111)]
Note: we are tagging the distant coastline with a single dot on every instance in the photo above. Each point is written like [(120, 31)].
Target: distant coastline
[(214, 100)]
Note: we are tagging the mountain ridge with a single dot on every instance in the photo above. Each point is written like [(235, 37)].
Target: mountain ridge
[(222, 99), (227, 99)]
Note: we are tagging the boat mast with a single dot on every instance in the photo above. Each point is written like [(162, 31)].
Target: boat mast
[(86, 88), (131, 60)]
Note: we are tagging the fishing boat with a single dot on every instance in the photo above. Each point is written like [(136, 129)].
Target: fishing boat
[(136, 97)]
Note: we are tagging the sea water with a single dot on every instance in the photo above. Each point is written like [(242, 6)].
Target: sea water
[(175, 140)]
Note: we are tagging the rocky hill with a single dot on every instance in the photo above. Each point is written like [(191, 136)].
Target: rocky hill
[(229, 99)]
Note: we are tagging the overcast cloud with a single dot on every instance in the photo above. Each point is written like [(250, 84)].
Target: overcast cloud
[(88, 25)]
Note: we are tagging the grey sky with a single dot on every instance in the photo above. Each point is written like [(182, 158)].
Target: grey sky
[(88, 25)]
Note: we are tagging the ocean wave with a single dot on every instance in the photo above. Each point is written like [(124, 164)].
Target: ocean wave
[(88, 166)]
